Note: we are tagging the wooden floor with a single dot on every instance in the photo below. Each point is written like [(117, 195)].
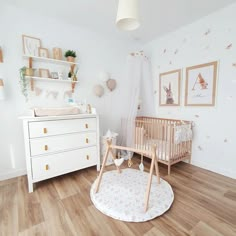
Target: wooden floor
[(205, 204)]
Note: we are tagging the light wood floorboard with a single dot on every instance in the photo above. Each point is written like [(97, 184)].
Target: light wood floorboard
[(205, 204)]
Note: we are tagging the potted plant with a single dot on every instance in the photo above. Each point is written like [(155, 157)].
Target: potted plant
[(24, 82), (70, 55)]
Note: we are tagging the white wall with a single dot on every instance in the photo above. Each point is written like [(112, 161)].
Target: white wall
[(96, 53), (215, 129)]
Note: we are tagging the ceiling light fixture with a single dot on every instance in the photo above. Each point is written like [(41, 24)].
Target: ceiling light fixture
[(127, 15)]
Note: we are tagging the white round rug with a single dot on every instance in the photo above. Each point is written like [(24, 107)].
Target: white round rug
[(121, 196)]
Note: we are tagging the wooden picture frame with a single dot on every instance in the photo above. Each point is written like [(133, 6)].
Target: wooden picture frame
[(169, 88), (54, 75), (44, 73), (200, 86), (43, 52), (31, 45), (1, 55), (57, 53)]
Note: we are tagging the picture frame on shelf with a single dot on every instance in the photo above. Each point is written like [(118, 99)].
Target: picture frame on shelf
[(169, 88), (44, 73), (57, 53), (31, 45), (200, 85), (43, 52), (54, 75)]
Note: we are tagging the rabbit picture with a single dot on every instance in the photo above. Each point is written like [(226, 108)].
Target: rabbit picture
[(169, 95)]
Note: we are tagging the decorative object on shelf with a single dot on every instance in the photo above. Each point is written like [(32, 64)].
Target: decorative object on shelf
[(127, 15), (1, 55), (2, 93), (54, 94), (38, 91), (70, 55), (54, 75), (44, 73), (61, 76), (68, 94), (57, 53), (24, 83), (111, 84), (169, 88), (43, 52), (31, 45), (98, 90), (200, 88)]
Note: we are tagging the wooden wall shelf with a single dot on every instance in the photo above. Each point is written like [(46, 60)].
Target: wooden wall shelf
[(50, 60), (50, 79)]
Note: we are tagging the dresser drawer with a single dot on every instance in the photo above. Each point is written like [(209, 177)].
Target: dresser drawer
[(47, 145), (61, 163), (56, 127)]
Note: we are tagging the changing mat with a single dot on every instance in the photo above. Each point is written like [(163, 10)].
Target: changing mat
[(56, 111)]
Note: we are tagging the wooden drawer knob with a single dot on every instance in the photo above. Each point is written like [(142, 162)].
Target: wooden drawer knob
[(86, 126), (87, 140), (45, 147), (46, 167), (45, 130), (87, 157)]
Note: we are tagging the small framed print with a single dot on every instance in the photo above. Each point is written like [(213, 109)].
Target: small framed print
[(31, 45), (200, 88), (43, 52), (44, 73), (57, 53), (169, 88), (54, 75)]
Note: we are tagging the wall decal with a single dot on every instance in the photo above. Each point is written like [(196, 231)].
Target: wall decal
[(68, 94), (184, 40), (170, 62), (199, 148), (169, 88), (207, 32), (38, 91), (234, 64), (176, 51), (197, 116), (229, 46), (164, 51), (226, 140), (200, 89), (208, 137), (155, 92)]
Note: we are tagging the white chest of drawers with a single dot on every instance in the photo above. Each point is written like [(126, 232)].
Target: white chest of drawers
[(59, 145)]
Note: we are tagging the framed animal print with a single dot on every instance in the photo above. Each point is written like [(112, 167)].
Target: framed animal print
[(200, 88), (169, 88)]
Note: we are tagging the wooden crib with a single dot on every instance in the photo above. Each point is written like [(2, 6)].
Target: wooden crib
[(167, 135)]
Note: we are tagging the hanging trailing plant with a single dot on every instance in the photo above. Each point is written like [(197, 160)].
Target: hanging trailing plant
[(24, 83)]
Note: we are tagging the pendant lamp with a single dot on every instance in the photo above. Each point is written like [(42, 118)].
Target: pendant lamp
[(127, 15), (2, 95)]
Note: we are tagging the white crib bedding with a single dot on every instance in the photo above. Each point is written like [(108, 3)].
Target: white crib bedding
[(163, 148)]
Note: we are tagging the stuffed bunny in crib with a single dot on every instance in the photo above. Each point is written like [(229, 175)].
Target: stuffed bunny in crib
[(169, 95)]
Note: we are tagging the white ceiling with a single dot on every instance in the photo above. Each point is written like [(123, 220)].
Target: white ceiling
[(158, 17)]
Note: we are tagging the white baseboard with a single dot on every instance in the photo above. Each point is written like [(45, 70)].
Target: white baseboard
[(217, 170), (9, 174)]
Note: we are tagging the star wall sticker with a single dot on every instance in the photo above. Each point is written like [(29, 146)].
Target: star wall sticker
[(225, 140), (229, 46), (207, 32), (176, 51), (234, 64), (199, 148), (197, 116), (164, 51)]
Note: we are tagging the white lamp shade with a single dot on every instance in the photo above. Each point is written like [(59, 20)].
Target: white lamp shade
[(2, 94), (127, 15)]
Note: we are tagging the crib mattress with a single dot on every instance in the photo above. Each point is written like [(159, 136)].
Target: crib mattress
[(163, 149)]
